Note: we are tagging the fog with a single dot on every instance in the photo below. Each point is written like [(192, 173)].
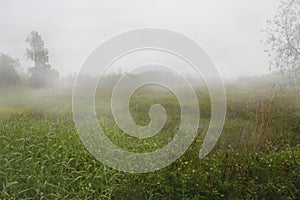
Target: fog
[(229, 30)]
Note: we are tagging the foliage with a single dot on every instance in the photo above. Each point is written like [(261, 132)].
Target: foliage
[(8, 72), (41, 74)]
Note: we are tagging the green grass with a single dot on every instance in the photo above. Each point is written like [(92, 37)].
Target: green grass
[(42, 157)]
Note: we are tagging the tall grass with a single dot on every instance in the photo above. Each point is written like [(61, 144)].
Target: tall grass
[(257, 156)]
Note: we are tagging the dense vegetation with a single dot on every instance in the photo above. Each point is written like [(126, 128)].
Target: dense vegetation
[(257, 156)]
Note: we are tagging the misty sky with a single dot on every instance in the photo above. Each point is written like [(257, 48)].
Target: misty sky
[(230, 30)]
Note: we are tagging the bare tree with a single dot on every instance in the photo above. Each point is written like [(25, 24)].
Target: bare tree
[(283, 41)]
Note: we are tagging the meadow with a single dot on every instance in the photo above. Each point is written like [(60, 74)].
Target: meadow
[(257, 156)]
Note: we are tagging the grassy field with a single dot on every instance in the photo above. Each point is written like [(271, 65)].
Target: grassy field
[(257, 156)]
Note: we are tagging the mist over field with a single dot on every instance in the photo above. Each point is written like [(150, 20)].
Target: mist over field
[(150, 123)]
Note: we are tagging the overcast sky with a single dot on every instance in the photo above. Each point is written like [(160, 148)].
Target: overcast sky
[(229, 30)]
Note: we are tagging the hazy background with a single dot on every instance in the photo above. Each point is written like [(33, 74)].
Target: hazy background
[(230, 30)]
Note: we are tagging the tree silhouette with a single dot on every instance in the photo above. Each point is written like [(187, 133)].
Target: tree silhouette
[(41, 74), (8, 73)]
